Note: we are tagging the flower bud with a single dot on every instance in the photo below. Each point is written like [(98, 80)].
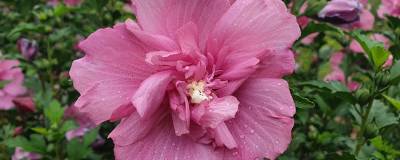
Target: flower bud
[(341, 11), (382, 79), (18, 131), (25, 104), (362, 95), (28, 48)]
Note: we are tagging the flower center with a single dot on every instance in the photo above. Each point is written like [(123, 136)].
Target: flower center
[(196, 91)]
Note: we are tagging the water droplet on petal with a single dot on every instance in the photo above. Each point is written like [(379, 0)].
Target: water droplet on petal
[(252, 131), (235, 153)]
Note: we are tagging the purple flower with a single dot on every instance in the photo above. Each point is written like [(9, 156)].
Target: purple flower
[(28, 48), (341, 11)]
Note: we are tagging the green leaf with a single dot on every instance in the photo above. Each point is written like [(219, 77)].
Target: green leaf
[(23, 27), (319, 27), (394, 22), (394, 102), (332, 86), (380, 144), (381, 115), (60, 10), (67, 126), (314, 6), (302, 102), (35, 144), (375, 50), (90, 137), (77, 151), (297, 6), (54, 112), (395, 73), (305, 59), (42, 131)]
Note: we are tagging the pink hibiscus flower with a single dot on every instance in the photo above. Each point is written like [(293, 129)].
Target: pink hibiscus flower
[(198, 79), (389, 7), (20, 154), (11, 80), (337, 73)]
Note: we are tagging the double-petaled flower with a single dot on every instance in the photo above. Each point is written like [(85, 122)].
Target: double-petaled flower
[(198, 79)]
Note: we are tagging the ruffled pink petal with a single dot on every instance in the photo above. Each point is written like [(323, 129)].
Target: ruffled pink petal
[(250, 27), (109, 74), (122, 111), (230, 88), (162, 143), (149, 96), (167, 16), (223, 137), (276, 64), (154, 41), (187, 37), (240, 69), (134, 128), (181, 126), (262, 127), (179, 104), (217, 111)]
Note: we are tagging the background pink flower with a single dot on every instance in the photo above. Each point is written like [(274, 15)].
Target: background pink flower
[(72, 2), (12, 80), (84, 122), (192, 79), (25, 104), (336, 73), (389, 7), (20, 154), (366, 21)]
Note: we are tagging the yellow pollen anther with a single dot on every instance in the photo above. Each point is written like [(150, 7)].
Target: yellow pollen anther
[(196, 91)]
